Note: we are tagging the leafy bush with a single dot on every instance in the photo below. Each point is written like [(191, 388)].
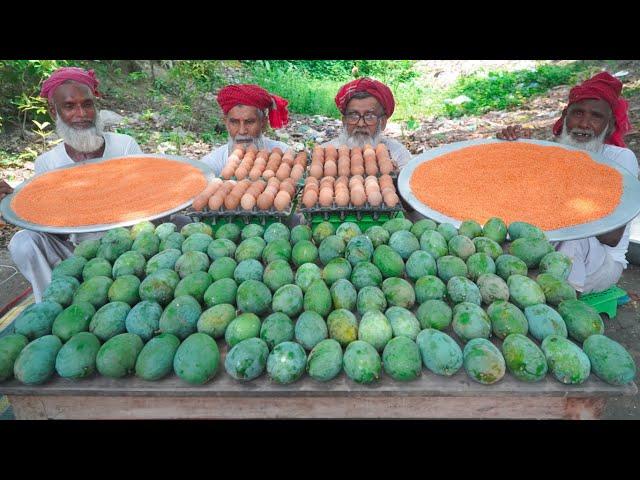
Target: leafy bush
[(503, 90)]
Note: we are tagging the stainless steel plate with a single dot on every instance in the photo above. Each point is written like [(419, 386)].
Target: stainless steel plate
[(628, 208), (10, 216)]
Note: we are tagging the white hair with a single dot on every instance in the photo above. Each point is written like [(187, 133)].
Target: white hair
[(592, 145), (246, 140), (359, 138), (85, 140)]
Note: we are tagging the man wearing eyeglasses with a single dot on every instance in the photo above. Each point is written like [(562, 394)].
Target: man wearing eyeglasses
[(366, 104)]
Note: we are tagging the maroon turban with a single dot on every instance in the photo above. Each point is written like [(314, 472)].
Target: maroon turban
[(373, 87), (602, 86), (64, 74), (255, 96)]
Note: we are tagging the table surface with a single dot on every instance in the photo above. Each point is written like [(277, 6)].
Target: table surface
[(627, 209)]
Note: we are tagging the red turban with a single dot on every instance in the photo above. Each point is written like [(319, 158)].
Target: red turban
[(373, 87), (64, 74), (602, 86), (255, 96)]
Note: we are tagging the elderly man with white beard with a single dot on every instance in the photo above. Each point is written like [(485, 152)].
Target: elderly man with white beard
[(595, 120), (246, 109), (71, 94), (366, 105)]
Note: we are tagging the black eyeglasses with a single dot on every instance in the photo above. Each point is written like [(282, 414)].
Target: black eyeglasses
[(353, 118)]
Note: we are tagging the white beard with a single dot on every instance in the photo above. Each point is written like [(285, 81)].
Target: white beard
[(258, 142), (85, 140), (593, 145), (359, 139)]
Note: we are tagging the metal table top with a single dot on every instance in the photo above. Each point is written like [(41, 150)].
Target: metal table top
[(11, 217)]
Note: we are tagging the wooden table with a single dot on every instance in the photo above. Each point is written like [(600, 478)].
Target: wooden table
[(431, 396)]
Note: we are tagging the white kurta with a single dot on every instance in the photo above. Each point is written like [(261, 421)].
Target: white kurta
[(596, 266), (36, 253), (218, 158)]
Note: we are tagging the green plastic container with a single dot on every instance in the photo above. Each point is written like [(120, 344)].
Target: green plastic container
[(605, 301)]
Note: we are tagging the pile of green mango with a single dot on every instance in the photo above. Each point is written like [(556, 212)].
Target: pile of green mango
[(151, 301)]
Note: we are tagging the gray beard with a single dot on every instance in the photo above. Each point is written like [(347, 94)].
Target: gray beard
[(85, 140), (258, 142), (594, 145), (359, 139)]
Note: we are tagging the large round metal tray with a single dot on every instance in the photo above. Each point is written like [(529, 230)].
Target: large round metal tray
[(10, 216), (628, 208)]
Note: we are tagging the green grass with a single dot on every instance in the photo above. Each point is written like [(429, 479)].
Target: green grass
[(506, 90), (415, 99)]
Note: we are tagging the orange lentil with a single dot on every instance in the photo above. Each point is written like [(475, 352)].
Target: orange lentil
[(119, 190), (550, 187)]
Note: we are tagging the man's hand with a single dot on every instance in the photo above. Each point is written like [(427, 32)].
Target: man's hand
[(5, 189), (513, 132), (612, 238)]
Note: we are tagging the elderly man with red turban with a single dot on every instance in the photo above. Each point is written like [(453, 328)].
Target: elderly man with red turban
[(366, 105), (595, 120), (247, 109), (71, 94)]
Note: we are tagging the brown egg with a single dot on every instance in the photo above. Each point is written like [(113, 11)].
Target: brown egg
[(391, 199), (387, 190), (342, 198), (330, 151), (291, 190), (288, 156), (227, 172), (370, 167), (241, 173), (330, 181), (216, 201), (260, 162), (330, 168), (283, 171), (369, 189), (355, 151), (344, 169), (255, 173), (296, 172), (385, 178), (282, 201), (310, 198), (248, 201), (277, 150), (326, 198), (231, 201), (344, 150), (374, 199), (386, 167), (357, 170), (268, 173), (265, 200), (316, 171), (358, 197)]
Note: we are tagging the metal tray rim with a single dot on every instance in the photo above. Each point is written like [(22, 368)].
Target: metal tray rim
[(9, 215), (624, 212)]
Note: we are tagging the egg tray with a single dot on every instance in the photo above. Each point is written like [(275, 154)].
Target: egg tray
[(299, 182), (350, 210), (240, 212), (394, 175)]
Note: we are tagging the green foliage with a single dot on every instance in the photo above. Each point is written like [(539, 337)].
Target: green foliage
[(310, 86), (20, 82), (503, 90)]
